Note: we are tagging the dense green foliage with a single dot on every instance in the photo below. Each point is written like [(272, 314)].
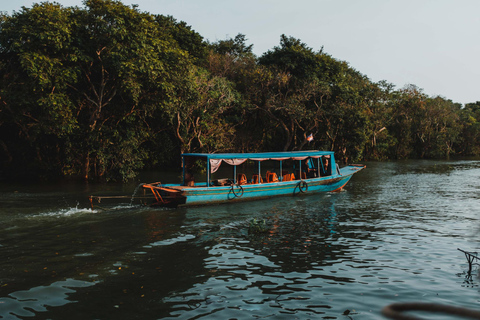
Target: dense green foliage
[(107, 90)]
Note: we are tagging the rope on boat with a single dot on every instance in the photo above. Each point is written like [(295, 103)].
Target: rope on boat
[(395, 311), (239, 194), (302, 186)]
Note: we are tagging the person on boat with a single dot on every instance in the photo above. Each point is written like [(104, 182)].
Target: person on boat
[(325, 170), (189, 180), (310, 170)]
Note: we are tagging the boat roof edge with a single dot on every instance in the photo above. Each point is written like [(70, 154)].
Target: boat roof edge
[(261, 155)]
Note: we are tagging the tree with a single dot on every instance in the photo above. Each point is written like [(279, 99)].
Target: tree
[(378, 111), (423, 127), (197, 116), (345, 118), (37, 60), (235, 47), (293, 91), (469, 140), (317, 94), (187, 39), (93, 76), (439, 128), (233, 60)]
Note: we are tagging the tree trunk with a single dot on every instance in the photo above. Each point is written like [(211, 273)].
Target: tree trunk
[(87, 166)]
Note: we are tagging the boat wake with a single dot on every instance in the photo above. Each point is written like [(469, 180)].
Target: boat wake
[(75, 211), (65, 212)]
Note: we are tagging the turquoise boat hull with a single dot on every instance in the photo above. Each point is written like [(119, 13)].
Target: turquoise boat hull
[(177, 195)]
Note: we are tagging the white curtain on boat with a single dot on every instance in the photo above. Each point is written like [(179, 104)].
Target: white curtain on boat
[(215, 164), (234, 162)]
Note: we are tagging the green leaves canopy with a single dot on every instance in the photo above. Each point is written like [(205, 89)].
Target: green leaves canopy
[(92, 76)]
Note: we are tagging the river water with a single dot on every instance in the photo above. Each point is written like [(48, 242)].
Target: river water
[(391, 236)]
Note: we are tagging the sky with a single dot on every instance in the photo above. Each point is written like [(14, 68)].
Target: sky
[(433, 44)]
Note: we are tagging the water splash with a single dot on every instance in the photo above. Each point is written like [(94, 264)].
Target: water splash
[(135, 193), (66, 212)]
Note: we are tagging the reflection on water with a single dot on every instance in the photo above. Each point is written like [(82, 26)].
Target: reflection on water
[(38, 299), (391, 236)]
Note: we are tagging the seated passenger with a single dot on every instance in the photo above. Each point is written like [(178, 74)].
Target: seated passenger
[(255, 179), (241, 179), (310, 171), (189, 180), (326, 170), (272, 177)]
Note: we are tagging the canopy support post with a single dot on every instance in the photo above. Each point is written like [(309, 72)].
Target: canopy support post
[(208, 172), (259, 173), (318, 167), (300, 169), (281, 175)]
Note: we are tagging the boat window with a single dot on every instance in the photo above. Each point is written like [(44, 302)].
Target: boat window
[(326, 168)]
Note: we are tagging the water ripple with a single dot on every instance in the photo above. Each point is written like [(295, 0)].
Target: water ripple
[(26, 303), (392, 236)]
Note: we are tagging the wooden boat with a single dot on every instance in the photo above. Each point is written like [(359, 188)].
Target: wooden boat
[(297, 172)]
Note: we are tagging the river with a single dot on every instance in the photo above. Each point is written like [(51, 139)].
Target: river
[(391, 236)]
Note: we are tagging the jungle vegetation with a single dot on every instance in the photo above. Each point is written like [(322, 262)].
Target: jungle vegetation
[(106, 90)]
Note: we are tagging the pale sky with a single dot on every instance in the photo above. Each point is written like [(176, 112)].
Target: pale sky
[(433, 44)]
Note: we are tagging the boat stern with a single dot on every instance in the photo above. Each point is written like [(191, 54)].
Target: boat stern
[(165, 196)]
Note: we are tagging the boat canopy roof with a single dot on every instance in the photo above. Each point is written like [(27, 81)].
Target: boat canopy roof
[(296, 155)]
